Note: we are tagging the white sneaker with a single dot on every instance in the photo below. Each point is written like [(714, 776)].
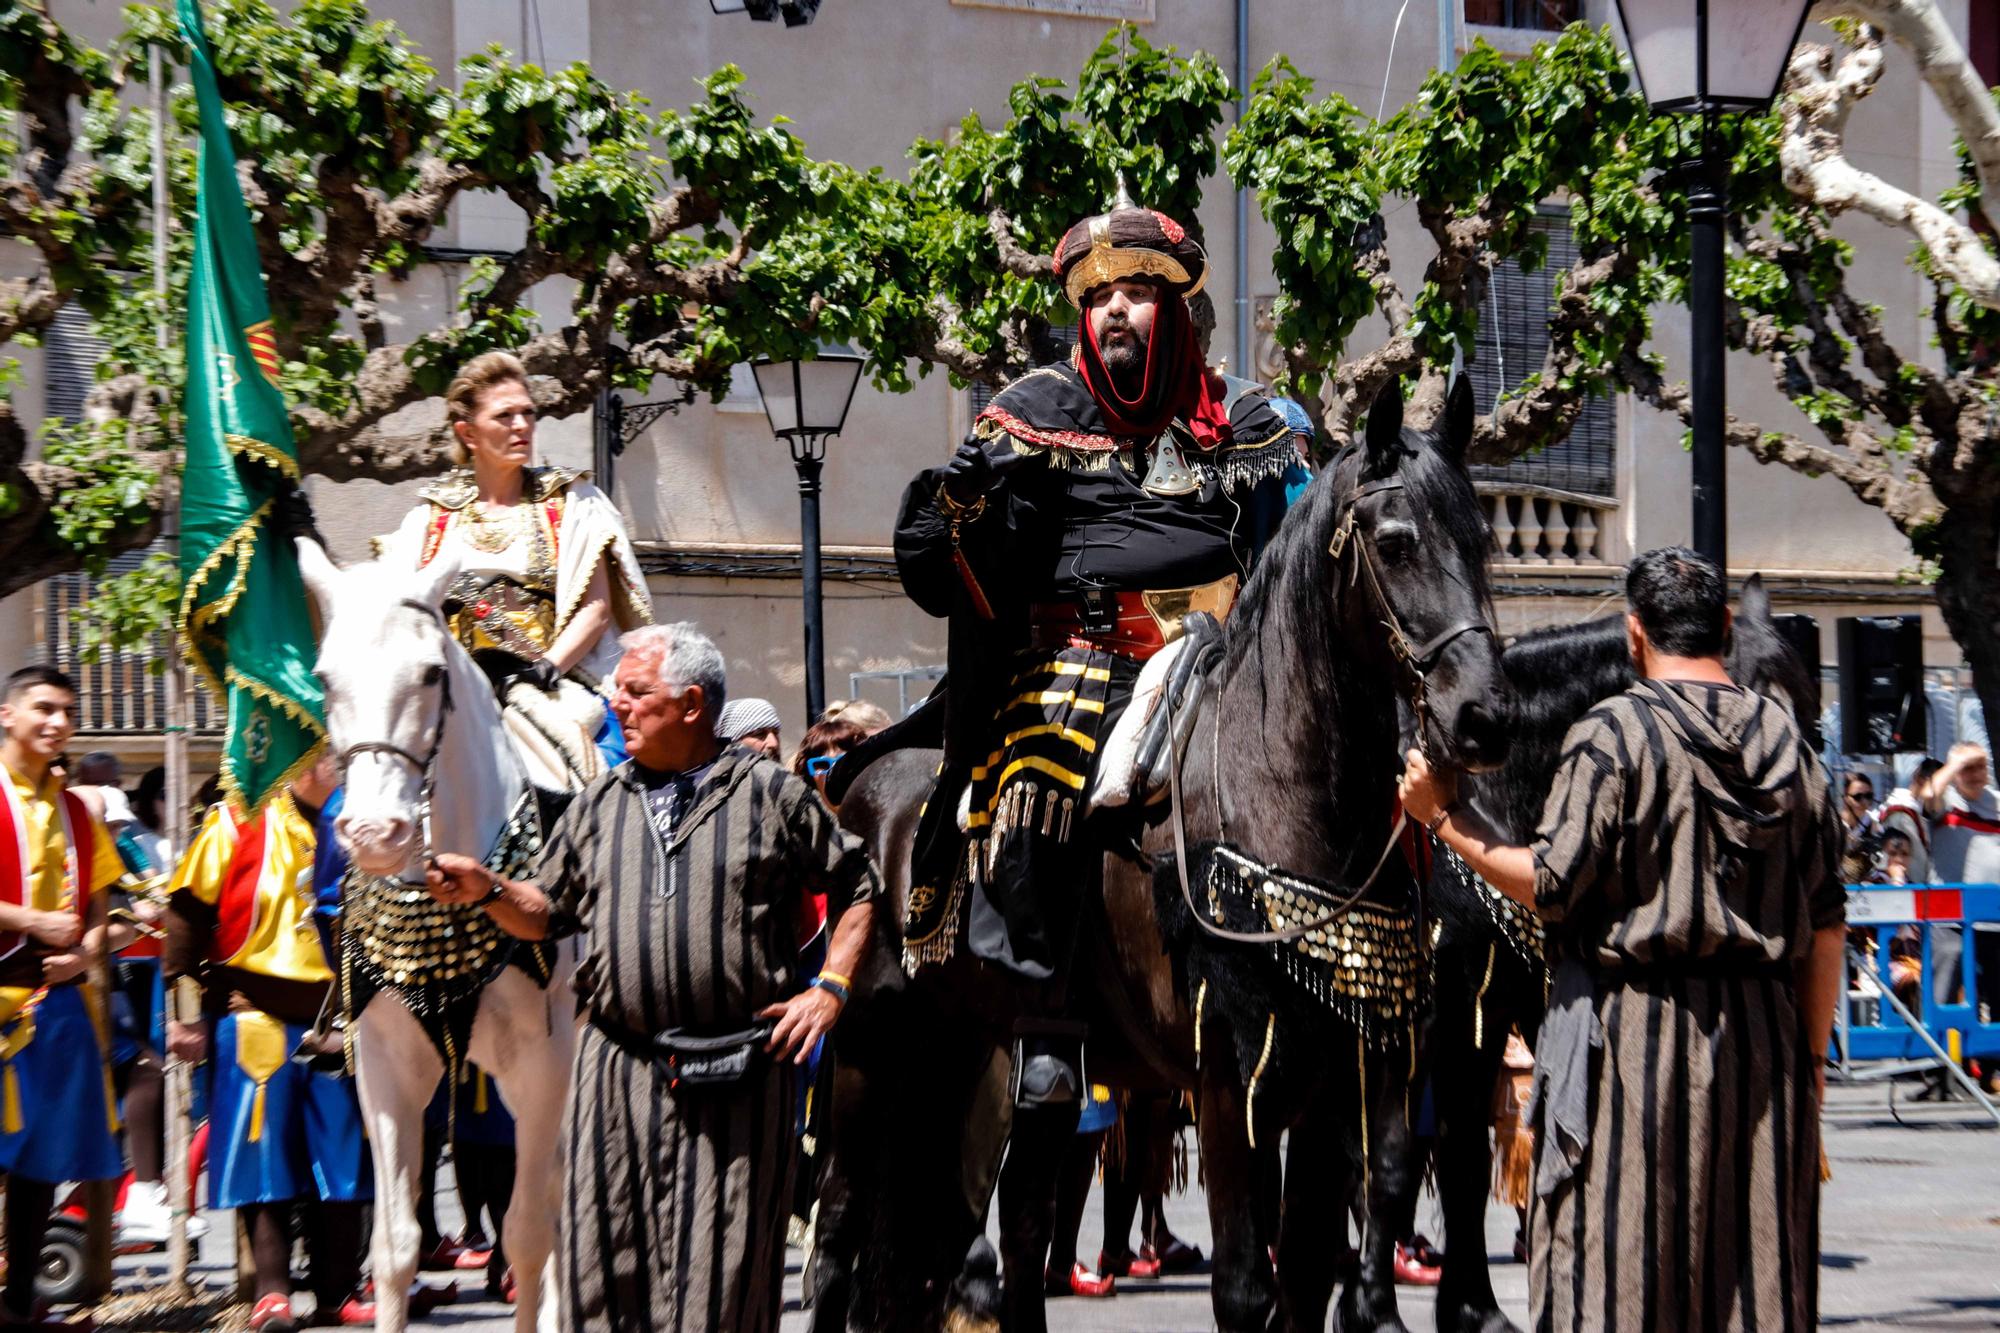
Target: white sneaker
[(146, 1218)]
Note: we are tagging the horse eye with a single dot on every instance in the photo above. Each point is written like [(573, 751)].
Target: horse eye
[(433, 674)]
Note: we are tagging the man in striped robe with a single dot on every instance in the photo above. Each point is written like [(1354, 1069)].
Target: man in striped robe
[(688, 871), (1687, 870)]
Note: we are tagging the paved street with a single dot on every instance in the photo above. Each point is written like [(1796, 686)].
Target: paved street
[(1911, 1238)]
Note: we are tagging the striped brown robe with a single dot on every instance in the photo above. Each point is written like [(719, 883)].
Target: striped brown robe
[(675, 1199), (1688, 851)]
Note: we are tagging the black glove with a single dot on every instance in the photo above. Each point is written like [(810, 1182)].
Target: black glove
[(292, 516), (540, 673), (973, 471)]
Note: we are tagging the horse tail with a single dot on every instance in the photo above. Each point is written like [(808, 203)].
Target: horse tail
[(975, 1294)]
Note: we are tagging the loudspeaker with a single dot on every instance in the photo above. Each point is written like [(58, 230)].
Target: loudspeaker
[(1882, 684), (1801, 632)]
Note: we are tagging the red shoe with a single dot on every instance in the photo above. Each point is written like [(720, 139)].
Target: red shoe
[(1083, 1282), (442, 1258), (1412, 1272), (1425, 1253), (508, 1291), (354, 1312), (1128, 1265), (470, 1258), (273, 1314), (427, 1298), (1176, 1257)]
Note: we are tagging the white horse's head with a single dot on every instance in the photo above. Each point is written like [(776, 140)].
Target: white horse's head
[(387, 669)]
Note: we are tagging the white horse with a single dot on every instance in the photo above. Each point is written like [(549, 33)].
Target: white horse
[(407, 709)]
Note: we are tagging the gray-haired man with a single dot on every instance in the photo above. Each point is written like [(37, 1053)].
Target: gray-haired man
[(688, 871)]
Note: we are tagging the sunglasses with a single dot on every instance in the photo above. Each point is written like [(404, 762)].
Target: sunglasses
[(820, 765)]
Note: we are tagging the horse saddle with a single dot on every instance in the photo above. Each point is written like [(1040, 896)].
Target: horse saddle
[(1166, 700)]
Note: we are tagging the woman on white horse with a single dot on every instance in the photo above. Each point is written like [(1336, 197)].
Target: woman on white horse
[(547, 575)]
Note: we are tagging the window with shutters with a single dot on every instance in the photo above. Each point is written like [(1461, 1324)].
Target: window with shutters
[(1513, 338), (1534, 15), (118, 692)]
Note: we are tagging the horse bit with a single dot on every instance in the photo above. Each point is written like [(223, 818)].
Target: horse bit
[(425, 768)]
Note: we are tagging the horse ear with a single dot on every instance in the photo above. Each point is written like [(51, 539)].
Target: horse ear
[(435, 579), (1755, 602), (1385, 423), (1457, 419), (319, 572)]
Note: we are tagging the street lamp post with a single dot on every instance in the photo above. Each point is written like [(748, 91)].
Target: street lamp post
[(806, 403), (1709, 58)]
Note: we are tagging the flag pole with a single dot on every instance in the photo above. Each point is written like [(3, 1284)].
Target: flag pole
[(179, 1078)]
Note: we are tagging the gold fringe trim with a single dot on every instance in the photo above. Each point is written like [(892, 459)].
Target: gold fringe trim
[(1200, 999), (1250, 1096), (1513, 1161), (1479, 1001), (264, 452)]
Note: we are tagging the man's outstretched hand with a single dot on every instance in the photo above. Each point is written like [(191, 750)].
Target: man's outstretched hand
[(456, 880), (802, 1021)]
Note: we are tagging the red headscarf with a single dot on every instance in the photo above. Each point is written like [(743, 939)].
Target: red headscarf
[(1177, 382)]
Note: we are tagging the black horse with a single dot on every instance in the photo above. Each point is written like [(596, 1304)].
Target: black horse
[(1372, 602), (1489, 967)]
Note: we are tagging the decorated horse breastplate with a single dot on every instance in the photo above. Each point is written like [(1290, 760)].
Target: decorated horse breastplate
[(435, 958), (1367, 962)]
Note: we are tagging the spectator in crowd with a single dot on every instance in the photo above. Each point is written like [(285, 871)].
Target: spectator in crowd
[(824, 742), (752, 724), (1908, 811), (1857, 811), (869, 717), (1965, 849)]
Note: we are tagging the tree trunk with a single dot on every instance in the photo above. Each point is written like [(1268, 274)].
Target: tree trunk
[(1968, 593)]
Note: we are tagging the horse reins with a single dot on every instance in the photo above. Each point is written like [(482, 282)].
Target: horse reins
[(1420, 659), (425, 768)]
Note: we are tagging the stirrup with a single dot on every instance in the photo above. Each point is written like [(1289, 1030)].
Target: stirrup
[(1048, 1063)]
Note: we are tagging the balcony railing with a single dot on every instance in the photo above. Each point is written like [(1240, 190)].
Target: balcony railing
[(1539, 525)]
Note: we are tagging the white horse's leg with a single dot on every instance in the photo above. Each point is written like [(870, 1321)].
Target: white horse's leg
[(524, 1037), (397, 1070)]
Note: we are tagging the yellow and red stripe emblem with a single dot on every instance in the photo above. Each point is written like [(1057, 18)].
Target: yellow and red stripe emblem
[(263, 340)]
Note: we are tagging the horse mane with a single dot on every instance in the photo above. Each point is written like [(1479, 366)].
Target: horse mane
[(1557, 675), (1292, 578)]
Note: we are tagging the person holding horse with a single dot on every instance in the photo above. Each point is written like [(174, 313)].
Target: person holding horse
[(1095, 505), (57, 866), (547, 576), (687, 872), (245, 956), (1687, 872)]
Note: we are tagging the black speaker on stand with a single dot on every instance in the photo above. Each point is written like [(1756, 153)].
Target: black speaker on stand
[(1882, 685)]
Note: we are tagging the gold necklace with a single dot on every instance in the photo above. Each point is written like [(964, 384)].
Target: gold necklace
[(489, 534)]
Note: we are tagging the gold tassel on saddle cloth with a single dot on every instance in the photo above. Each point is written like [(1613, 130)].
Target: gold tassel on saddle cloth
[(260, 1053)]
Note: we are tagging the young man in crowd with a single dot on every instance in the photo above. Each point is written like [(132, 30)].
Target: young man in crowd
[(57, 1118)]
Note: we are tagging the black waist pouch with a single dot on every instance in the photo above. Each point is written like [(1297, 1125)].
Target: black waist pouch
[(693, 1060)]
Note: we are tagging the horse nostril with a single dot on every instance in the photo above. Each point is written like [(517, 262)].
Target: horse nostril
[(1482, 731)]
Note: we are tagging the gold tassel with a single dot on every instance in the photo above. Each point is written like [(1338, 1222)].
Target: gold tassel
[(10, 1115), (1361, 1067), (1479, 1002), (260, 1053), (479, 1096), (1200, 998), (1250, 1097), (1825, 1167)]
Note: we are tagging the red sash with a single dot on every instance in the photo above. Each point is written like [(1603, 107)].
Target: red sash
[(236, 904), (15, 854), (1965, 819)]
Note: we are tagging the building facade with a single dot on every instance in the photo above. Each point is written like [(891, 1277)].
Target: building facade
[(707, 491)]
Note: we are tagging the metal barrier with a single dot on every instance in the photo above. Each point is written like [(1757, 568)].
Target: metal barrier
[(1948, 1022)]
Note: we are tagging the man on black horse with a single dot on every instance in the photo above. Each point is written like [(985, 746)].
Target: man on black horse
[(1093, 506)]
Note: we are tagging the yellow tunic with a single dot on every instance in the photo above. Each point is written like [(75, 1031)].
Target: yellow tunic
[(47, 865), (281, 940)]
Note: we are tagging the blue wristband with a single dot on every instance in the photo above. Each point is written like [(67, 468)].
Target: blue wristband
[(831, 987)]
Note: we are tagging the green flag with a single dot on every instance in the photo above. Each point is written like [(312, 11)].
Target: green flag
[(243, 616)]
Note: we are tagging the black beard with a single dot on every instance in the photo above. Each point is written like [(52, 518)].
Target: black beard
[(1126, 360)]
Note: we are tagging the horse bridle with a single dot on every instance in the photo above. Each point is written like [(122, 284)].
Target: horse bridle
[(1419, 659), (426, 767)]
